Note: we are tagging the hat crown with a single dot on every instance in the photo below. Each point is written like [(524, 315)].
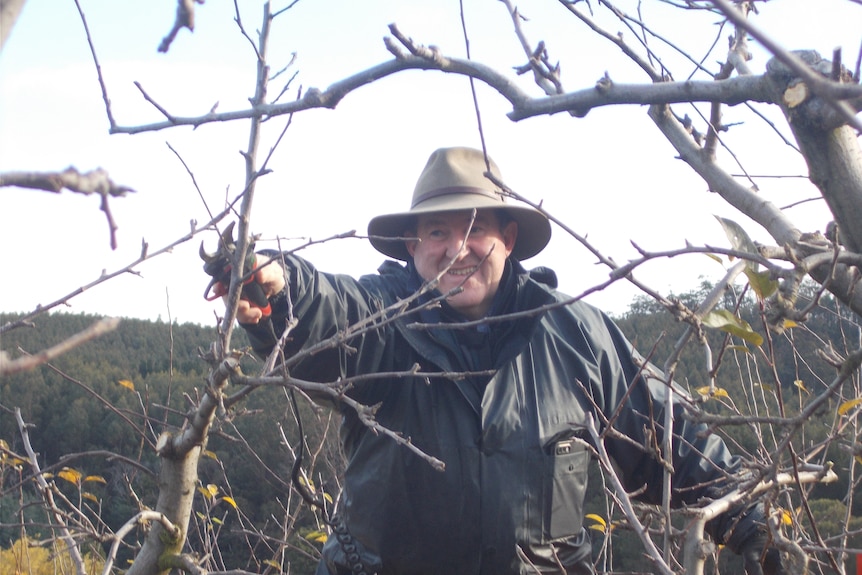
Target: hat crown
[(457, 171)]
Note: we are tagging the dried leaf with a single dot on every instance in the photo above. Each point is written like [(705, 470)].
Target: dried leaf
[(230, 501)]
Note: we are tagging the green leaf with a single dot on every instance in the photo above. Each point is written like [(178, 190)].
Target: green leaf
[(739, 239), (761, 282), (740, 348), (727, 322)]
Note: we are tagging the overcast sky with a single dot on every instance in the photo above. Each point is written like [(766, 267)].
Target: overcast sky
[(609, 176)]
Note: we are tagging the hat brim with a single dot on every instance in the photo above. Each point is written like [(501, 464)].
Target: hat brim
[(387, 232)]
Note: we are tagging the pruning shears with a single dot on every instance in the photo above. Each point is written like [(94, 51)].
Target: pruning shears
[(219, 266)]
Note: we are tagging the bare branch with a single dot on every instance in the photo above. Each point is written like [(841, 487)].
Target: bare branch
[(28, 362)]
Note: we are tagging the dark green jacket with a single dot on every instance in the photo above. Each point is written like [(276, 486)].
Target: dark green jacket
[(511, 496)]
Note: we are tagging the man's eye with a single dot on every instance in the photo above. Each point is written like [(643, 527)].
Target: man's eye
[(436, 234)]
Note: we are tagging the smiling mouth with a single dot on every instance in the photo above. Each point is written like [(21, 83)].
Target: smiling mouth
[(464, 271)]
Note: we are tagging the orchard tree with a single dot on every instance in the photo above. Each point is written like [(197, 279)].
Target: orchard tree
[(686, 95)]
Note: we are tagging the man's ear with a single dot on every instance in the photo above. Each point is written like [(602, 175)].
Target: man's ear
[(510, 235), (410, 244)]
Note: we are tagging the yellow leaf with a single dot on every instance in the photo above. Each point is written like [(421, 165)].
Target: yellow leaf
[(210, 454), (848, 405), (3, 444), (859, 459), (70, 475), (230, 501), (272, 563), (789, 323), (201, 516), (798, 383), (597, 527), (714, 392), (96, 478), (316, 536), (327, 497), (217, 521), (127, 383), (209, 491), (597, 518), (90, 496), (786, 518)]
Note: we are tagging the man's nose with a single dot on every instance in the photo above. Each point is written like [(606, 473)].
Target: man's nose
[(457, 246)]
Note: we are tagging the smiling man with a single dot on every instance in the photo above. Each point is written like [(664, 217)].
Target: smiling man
[(508, 417)]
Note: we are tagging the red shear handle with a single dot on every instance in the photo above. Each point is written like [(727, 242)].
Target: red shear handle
[(252, 292)]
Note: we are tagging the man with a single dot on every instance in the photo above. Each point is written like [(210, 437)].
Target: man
[(510, 429)]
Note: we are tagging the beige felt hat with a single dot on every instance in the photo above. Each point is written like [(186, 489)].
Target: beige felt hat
[(454, 180)]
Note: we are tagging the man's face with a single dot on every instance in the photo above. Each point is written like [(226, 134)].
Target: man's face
[(447, 238)]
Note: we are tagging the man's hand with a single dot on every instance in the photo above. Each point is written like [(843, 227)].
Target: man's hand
[(270, 276), (753, 551)]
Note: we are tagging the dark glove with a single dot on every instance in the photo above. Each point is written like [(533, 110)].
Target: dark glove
[(752, 551)]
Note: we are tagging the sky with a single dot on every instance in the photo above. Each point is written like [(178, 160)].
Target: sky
[(609, 176)]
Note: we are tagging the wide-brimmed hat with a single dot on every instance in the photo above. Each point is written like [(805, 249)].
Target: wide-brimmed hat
[(454, 180)]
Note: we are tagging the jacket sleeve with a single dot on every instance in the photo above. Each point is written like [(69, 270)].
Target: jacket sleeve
[(702, 463), (324, 305)]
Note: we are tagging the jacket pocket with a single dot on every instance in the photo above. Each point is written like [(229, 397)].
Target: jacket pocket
[(566, 485)]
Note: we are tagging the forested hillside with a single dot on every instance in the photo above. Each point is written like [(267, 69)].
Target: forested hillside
[(114, 395)]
